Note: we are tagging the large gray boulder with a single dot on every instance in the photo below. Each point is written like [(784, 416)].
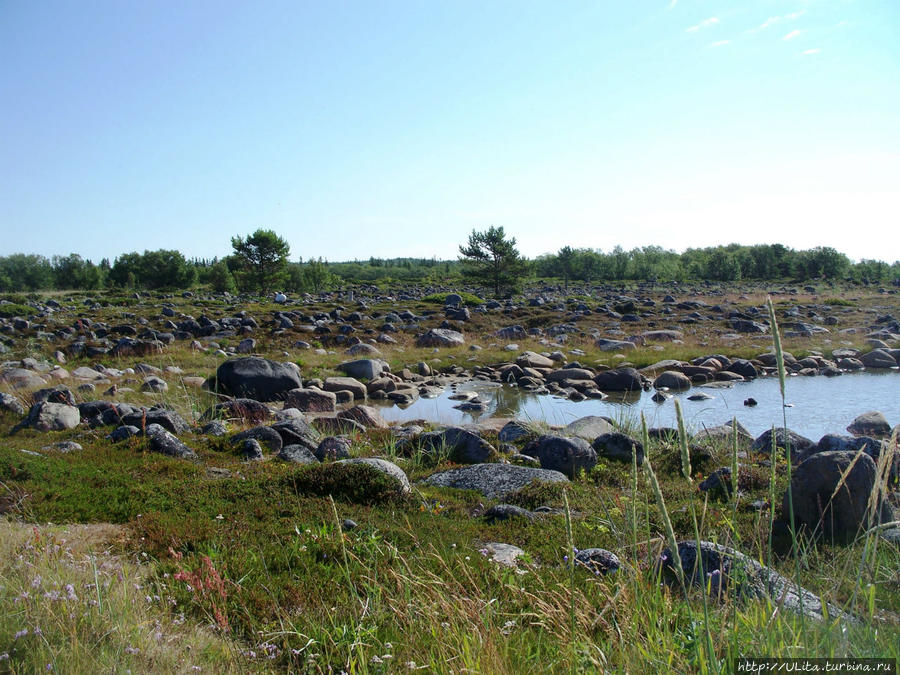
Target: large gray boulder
[(336, 384), (441, 337), (385, 467), (460, 445), (10, 403), (878, 358), (363, 369), (616, 445), (165, 443), (365, 415), (725, 572), (619, 379), (257, 378), (570, 374), (48, 416), (672, 379), (239, 409), (800, 446), (558, 453), (494, 481), (167, 419), (872, 423), (265, 436), (534, 360), (310, 400), (825, 506), (297, 432), (589, 427)]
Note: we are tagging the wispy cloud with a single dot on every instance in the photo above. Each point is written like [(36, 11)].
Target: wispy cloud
[(773, 20), (706, 23), (720, 43), (791, 35), (810, 52), (672, 4)]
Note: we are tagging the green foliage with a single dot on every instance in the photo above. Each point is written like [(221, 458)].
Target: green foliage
[(152, 270), (14, 309), (262, 260), (221, 279), (355, 483), (490, 258), (21, 272), (314, 276), (72, 271)]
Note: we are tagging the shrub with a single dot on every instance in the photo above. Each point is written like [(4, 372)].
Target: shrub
[(355, 483)]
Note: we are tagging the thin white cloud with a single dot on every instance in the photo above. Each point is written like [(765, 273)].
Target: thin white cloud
[(720, 43), (706, 23), (772, 20), (791, 35), (672, 4), (810, 52)]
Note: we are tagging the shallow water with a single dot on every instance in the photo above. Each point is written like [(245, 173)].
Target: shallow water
[(817, 405)]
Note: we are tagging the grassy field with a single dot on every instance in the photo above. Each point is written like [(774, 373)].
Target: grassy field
[(114, 558)]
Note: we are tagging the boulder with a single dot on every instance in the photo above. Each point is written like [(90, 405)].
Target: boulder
[(257, 378), (662, 335), (597, 560), (616, 445), (725, 571), (297, 454), (878, 358), (365, 415), (441, 337), (167, 419), (310, 400), (364, 369), (251, 450), (743, 368), (494, 481), (837, 513), (239, 409), (385, 467), (570, 374), (460, 445), (10, 403), (872, 423), (619, 379), (566, 455), (589, 427), (336, 384), (165, 443), (48, 416), (502, 512), (673, 380), (297, 432), (513, 431), (800, 445), (533, 360), (263, 436), (332, 448)]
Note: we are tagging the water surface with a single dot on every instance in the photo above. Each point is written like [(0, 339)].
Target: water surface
[(817, 405)]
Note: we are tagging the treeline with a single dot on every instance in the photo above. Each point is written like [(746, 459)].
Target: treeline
[(150, 270), (168, 269), (716, 263)]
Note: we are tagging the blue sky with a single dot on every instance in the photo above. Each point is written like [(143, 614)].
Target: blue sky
[(358, 129)]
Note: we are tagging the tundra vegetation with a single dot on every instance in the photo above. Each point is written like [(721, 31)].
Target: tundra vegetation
[(200, 480)]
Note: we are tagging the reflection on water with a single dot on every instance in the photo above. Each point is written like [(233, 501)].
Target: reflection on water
[(818, 405)]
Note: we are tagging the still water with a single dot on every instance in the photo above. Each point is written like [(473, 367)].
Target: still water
[(816, 405)]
